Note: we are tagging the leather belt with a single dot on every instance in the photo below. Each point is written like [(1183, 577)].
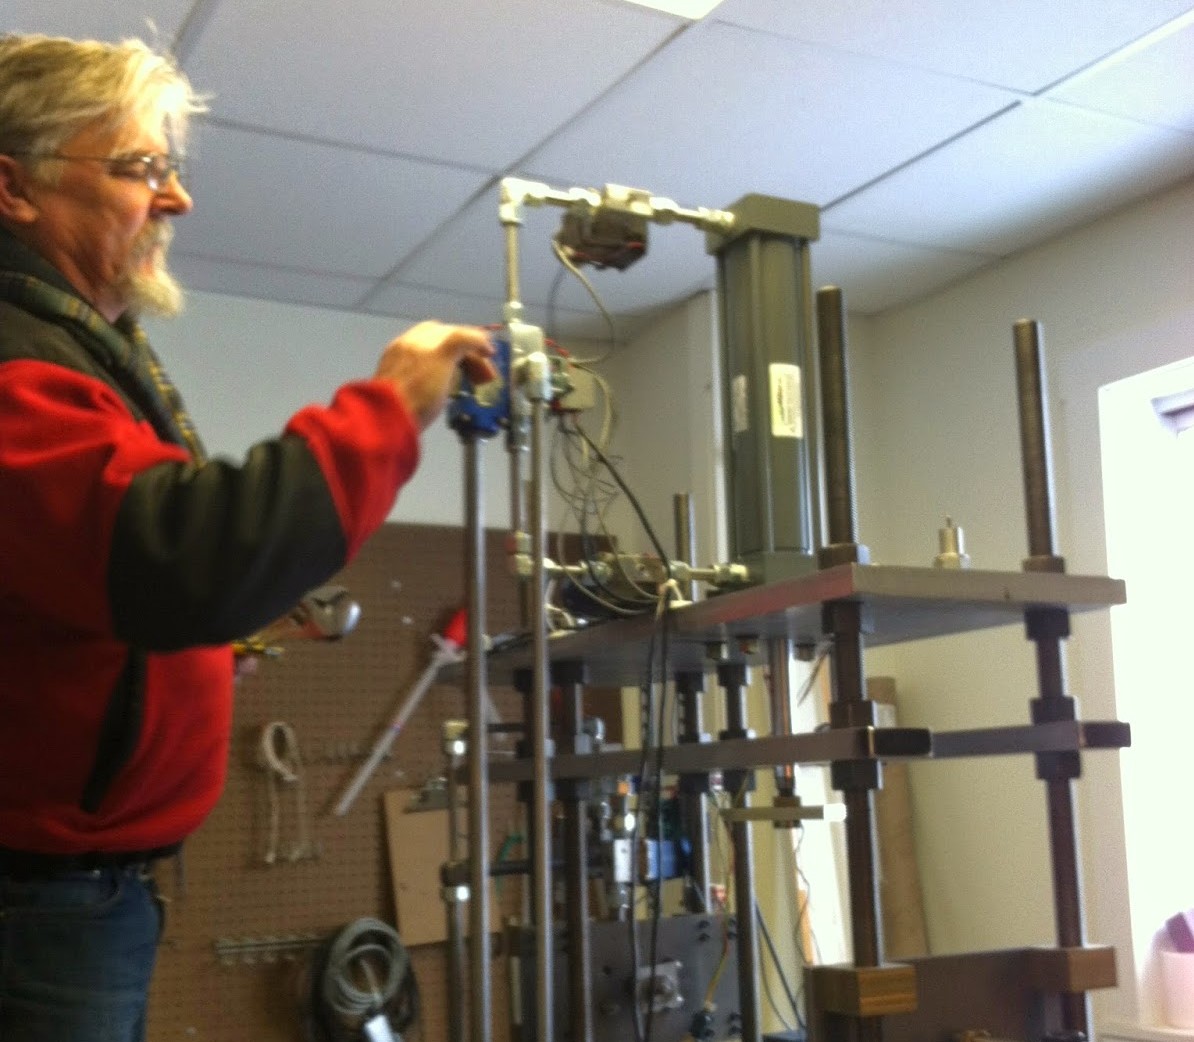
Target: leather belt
[(25, 864)]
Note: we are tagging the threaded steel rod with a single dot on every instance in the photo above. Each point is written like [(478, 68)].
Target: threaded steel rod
[(478, 751), (842, 525), (1034, 446), (540, 810)]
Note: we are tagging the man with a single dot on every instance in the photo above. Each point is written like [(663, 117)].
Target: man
[(129, 561)]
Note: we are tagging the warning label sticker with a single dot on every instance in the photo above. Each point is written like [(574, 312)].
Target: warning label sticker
[(787, 408)]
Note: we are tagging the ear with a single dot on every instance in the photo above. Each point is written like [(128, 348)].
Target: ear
[(16, 203)]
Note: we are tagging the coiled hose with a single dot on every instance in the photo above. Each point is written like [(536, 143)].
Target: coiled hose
[(361, 971)]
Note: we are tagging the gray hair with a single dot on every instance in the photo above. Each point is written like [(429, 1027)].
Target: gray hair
[(51, 88)]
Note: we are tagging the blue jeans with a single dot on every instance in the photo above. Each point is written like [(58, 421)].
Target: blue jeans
[(76, 955)]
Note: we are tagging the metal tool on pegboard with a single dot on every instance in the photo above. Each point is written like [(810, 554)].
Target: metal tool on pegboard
[(325, 613), (447, 645)]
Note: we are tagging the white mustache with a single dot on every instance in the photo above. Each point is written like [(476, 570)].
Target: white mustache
[(154, 237)]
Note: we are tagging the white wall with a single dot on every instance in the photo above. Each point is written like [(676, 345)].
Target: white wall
[(668, 428), (936, 419), (244, 366)]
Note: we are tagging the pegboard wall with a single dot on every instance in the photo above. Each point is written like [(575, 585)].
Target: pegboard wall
[(337, 698)]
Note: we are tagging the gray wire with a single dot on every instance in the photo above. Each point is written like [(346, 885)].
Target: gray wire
[(562, 256), (359, 950)]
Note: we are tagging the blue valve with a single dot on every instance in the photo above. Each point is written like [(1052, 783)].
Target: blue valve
[(484, 409)]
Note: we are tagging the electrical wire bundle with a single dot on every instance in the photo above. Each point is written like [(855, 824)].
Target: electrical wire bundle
[(586, 477), (361, 973)]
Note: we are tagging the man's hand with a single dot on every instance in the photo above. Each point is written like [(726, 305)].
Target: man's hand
[(422, 364)]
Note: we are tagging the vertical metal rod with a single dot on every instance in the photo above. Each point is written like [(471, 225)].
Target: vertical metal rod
[(516, 446), (843, 620), (1075, 1006), (540, 810), (695, 807), (744, 881), (861, 850), (1034, 445), (857, 784), (478, 749), (686, 549), (1063, 833), (779, 670), (516, 435), (576, 871), (513, 289), (457, 942), (835, 417), (813, 428), (748, 941), (863, 879), (1057, 771), (580, 955), (1046, 630), (856, 781)]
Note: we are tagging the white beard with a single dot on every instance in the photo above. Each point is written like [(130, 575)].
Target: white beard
[(153, 292)]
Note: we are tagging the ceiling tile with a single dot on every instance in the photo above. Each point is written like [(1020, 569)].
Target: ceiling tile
[(266, 283), (155, 21), (468, 256), (272, 200), (1022, 44), (724, 111), (1155, 85), (1018, 180), (387, 122), (473, 84)]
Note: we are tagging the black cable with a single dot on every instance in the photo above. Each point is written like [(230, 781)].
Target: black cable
[(638, 509), (655, 788), (779, 969), (619, 602), (643, 1031), (773, 1004)]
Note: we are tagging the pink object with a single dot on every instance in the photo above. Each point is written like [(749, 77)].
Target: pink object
[(1180, 928)]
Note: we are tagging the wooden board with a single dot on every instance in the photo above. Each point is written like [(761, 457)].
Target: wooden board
[(900, 894), (418, 846)]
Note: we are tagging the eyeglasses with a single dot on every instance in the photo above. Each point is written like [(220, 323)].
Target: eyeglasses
[(152, 168)]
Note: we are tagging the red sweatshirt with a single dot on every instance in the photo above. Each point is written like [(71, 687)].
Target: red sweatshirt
[(125, 570)]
